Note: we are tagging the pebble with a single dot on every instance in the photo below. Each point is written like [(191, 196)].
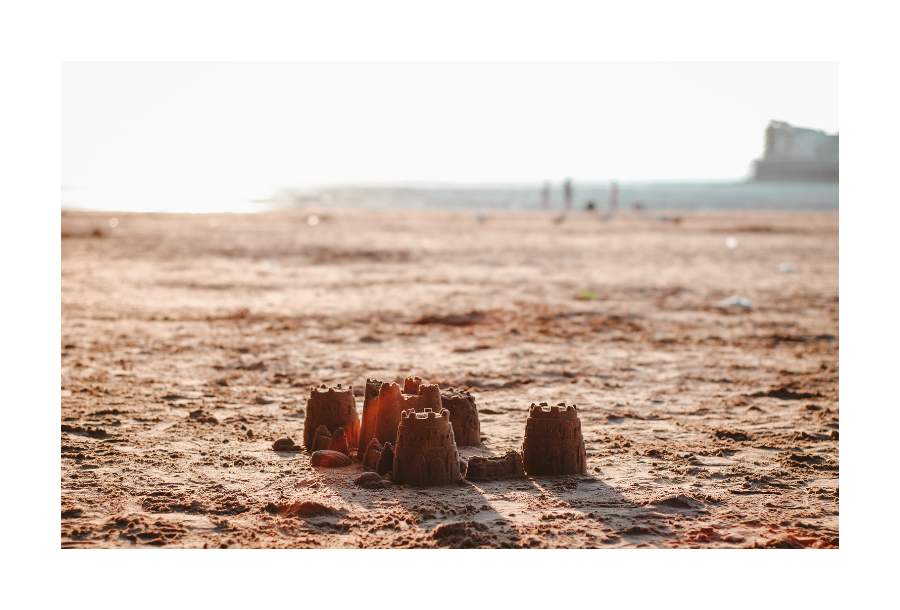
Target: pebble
[(368, 477), (284, 444)]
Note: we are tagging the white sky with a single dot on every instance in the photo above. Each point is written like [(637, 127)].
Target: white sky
[(193, 135)]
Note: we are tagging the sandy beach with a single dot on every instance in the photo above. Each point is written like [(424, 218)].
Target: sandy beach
[(189, 344)]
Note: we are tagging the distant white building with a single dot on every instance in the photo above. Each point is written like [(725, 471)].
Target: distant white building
[(797, 153)]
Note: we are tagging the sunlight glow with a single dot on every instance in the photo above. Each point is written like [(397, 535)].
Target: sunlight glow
[(225, 136)]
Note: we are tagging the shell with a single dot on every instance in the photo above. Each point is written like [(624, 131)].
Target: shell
[(329, 459)]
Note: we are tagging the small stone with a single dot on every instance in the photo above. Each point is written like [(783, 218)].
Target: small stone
[(368, 477), (283, 444)]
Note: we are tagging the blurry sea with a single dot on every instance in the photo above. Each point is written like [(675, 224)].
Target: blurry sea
[(650, 195), (519, 196)]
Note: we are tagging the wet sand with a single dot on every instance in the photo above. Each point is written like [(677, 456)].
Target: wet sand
[(704, 426)]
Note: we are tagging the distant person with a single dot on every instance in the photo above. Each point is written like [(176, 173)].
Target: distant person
[(590, 207), (613, 198), (545, 195), (567, 195)]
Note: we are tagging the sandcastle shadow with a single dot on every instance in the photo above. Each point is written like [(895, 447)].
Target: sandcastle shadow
[(589, 500), (453, 516), (488, 514)]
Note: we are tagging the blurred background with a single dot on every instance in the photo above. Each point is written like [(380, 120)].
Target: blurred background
[(245, 137)]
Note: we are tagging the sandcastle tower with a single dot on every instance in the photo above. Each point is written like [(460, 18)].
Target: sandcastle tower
[(426, 454), (384, 403), (372, 455), (553, 441), (378, 458), (333, 408), (463, 416)]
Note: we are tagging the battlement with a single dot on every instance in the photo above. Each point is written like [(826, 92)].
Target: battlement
[(411, 385), (453, 393), (425, 418), (414, 392), (336, 392), (430, 394), (560, 411)]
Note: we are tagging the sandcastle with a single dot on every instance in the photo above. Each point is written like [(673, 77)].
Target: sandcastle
[(384, 404), (553, 441), (333, 408), (463, 416), (425, 454), (413, 433)]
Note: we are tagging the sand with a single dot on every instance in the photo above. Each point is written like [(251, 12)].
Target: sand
[(189, 342)]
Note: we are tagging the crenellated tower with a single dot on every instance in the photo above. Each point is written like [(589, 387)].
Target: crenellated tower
[(553, 441), (425, 453)]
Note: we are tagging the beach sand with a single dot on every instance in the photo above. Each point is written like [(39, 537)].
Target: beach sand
[(705, 426)]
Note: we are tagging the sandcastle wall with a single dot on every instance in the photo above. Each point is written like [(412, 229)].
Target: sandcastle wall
[(553, 441), (425, 453), (490, 469)]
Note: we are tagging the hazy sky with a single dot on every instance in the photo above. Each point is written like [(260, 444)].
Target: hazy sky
[(181, 135)]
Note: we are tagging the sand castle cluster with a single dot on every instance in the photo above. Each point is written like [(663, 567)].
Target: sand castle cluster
[(410, 435)]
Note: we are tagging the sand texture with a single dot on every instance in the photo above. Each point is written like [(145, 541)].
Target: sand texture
[(189, 344)]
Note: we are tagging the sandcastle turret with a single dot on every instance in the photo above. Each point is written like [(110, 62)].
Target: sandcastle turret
[(463, 416), (425, 453), (333, 408), (321, 439), (553, 441), (384, 402), (372, 455)]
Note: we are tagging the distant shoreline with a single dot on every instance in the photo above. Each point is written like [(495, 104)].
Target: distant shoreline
[(746, 195)]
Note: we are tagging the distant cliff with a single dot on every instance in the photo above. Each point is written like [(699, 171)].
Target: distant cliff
[(797, 153)]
